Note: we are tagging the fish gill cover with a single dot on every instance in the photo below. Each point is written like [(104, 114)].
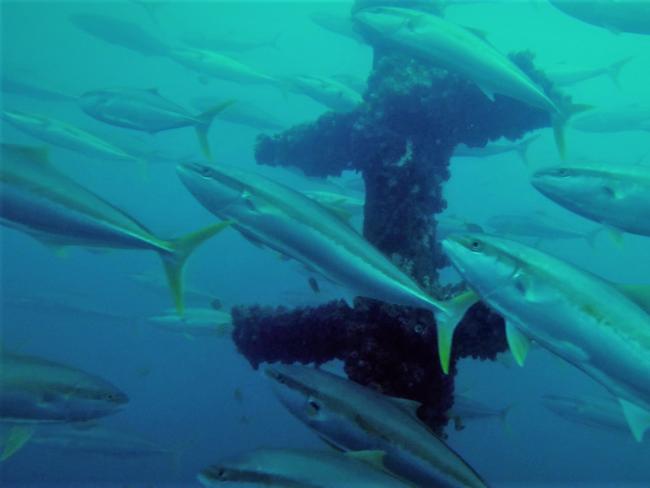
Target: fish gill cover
[(380, 227)]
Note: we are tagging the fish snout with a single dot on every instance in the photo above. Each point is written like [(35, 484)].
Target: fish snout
[(118, 398)]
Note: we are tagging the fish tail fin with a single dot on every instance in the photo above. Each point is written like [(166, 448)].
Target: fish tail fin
[(205, 121), (16, 439), (181, 249), (523, 147), (177, 451), (446, 322), (614, 70), (559, 122), (505, 417)]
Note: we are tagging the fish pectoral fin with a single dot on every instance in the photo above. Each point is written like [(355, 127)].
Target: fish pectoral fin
[(60, 250), (16, 440), (375, 458), (338, 211), (85, 425), (331, 444), (639, 294), (251, 238), (616, 235), (487, 92), (480, 33), (518, 343), (411, 406), (637, 418)]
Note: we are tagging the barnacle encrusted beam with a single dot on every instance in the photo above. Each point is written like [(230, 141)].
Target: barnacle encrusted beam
[(390, 348), (401, 139)]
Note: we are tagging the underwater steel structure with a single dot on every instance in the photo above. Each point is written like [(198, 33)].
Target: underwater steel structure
[(401, 139)]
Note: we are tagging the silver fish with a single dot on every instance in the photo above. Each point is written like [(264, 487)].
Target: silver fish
[(538, 226), (327, 91), (602, 413), (352, 417), (631, 16), (589, 322), (570, 75), (212, 64), (302, 468), (633, 117), (93, 439), (120, 33), (612, 194), (494, 149), (37, 390), (273, 215), (195, 322), (67, 136), (455, 48), (47, 205), (30, 90), (147, 111)]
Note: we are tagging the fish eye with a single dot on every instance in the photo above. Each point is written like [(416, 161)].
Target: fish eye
[(609, 191), (205, 172), (314, 407), (476, 245), (562, 172), (221, 473)]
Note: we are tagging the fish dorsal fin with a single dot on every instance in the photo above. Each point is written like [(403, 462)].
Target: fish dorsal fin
[(331, 444), (85, 425), (251, 238), (615, 234), (33, 153), (637, 418), (519, 344), (411, 406), (337, 210), (487, 92), (55, 245), (480, 33), (639, 294), (375, 458)]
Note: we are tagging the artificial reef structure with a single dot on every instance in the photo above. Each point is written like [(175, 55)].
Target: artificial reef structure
[(400, 139)]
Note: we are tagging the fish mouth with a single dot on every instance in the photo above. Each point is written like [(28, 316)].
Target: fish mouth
[(454, 247), (193, 168), (120, 398)]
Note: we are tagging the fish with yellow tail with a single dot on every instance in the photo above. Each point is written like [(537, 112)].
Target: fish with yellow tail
[(272, 215), (458, 49), (599, 327), (46, 204), (302, 468), (349, 416), (613, 194)]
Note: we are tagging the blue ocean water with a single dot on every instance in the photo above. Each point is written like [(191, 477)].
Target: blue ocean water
[(198, 397)]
